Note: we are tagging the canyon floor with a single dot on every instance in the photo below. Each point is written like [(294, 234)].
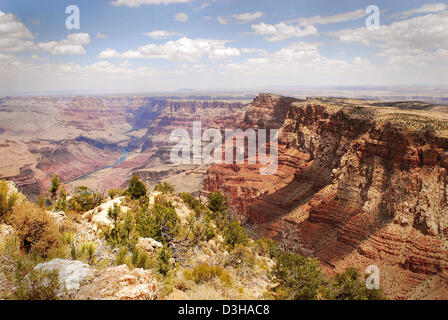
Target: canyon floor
[(359, 182)]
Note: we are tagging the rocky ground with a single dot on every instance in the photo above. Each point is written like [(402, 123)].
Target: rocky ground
[(102, 277)]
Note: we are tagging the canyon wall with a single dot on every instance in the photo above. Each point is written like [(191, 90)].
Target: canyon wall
[(358, 184), (75, 136)]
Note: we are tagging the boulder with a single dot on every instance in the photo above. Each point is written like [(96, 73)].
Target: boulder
[(99, 215), (120, 283), (72, 274), (12, 188), (149, 245)]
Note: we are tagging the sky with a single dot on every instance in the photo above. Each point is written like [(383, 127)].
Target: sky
[(131, 46)]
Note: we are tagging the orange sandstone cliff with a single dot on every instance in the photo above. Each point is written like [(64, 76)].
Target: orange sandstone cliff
[(359, 183)]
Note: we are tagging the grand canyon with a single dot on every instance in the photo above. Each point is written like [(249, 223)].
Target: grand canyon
[(201, 150), (359, 182)]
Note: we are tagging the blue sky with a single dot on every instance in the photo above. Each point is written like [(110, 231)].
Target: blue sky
[(162, 45)]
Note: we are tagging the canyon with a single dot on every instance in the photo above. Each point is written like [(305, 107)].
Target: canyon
[(82, 139), (359, 182)]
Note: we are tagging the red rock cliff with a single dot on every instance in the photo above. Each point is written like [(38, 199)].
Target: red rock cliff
[(356, 185)]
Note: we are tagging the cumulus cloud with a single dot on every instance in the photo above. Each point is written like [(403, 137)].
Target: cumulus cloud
[(181, 17), (73, 44), (426, 8), (161, 34), (342, 17), (184, 49), (138, 3), (14, 35), (282, 31), (422, 33), (301, 62), (108, 53), (240, 18)]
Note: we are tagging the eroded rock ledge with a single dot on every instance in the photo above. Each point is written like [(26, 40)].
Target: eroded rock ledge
[(359, 183)]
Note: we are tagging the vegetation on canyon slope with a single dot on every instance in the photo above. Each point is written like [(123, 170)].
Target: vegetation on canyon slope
[(206, 254)]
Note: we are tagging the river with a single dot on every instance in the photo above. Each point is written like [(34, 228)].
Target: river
[(116, 163)]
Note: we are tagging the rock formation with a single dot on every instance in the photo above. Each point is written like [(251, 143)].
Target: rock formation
[(76, 136), (358, 184)]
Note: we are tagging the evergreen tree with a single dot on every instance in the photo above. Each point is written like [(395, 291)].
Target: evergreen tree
[(136, 189)]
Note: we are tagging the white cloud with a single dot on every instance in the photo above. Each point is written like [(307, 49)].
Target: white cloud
[(19, 75), (161, 34), (301, 62), (240, 18), (282, 31), (252, 50), (203, 6), (181, 17), (184, 49), (422, 33), (426, 8), (137, 3), (73, 44), (14, 35), (100, 35), (108, 53), (347, 16)]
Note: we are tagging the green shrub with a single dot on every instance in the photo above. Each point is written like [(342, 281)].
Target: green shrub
[(163, 200), (202, 230), (205, 273), (217, 202), (123, 233), (136, 189), (349, 285), (83, 199), (300, 278), (163, 259), (41, 202), (123, 257), (55, 182), (267, 247), (241, 256), (114, 193), (35, 228), (160, 223), (114, 212), (61, 204), (6, 201), (86, 252), (34, 284), (164, 187), (141, 259), (235, 234), (193, 203)]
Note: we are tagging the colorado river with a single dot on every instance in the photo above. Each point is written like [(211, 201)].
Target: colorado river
[(116, 163)]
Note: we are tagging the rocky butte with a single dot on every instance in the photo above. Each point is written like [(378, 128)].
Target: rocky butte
[(359, 183)]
